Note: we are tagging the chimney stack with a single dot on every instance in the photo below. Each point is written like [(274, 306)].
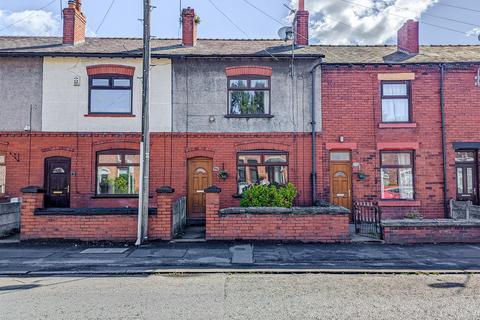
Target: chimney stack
[(189, 28), (408, 38), (301, 25), (74, 23)]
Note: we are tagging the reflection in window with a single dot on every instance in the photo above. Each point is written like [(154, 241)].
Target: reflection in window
[(110, 94), (58, 171), (3, 173), (397, 175), (395, 101), (261, 167), (249, 96), (118, 172)]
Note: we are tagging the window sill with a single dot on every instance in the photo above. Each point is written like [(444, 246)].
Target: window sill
[(110, 115), (244, 116), (397, 125), (115, 196), (399, 203)]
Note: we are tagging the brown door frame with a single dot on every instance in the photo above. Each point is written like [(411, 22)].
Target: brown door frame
[(47, 177), (349, 176), (464, 165), (190, 163)]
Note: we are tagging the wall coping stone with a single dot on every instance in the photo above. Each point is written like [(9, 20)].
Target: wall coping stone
[(212, 189), (165, 189), (419, 223), (32, 189), (331, 210), (90, 211)]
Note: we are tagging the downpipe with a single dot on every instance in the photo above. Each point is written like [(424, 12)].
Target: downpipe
[(313, 177)]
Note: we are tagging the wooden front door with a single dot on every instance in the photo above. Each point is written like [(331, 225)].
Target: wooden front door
[(199, 178), (466, 172), (57, 182), (341, 184)]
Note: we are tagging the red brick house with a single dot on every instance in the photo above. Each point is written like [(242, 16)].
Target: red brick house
[(390, 124)]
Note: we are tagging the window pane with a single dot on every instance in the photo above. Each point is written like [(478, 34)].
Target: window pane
[(259, 84), (395, 110), (464, 156), (118, 180), (100, 82), (394, 89), (109, 158), (469, 180), (278, 158), (132, 158), (121, 82), (340, 156), (261, 175), (397, 183), (249, 159), (459, 180), (396, 158), (3, 177), (237, 83), (2, 159), (115, 101), (249, 102)]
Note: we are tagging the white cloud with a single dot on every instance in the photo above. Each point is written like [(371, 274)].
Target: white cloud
[(360, 21), (29, 23), (474, 32)]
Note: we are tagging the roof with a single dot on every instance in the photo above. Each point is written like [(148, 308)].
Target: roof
[(131, 47)]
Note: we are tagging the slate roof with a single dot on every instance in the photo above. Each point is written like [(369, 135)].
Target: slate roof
[(131, 47)]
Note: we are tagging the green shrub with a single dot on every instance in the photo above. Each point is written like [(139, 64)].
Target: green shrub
[(259, 195)]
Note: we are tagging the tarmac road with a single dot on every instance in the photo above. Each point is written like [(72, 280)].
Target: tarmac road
[(243, 296)]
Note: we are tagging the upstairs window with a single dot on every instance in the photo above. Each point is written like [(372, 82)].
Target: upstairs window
[(118, 172), (261, 167), (249, 95), (397, 175), (3, 173), (110, 94), (396, 101)]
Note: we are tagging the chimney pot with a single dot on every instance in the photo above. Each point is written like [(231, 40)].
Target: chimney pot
[(189, 28), (408, 38)]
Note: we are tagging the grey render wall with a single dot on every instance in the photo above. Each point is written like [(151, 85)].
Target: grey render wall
[(20, 87), (200, 92)]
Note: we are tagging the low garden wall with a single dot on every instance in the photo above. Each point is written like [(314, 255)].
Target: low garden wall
[(312, 224), (9, 218), (92, 224), (431, 231)]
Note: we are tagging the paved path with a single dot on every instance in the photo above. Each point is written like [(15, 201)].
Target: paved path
[(49, 258), (242, 296)]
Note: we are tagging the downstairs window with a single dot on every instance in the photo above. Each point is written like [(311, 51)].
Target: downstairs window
[(118, 172), (397, 175), (261, 167), (3, 173)]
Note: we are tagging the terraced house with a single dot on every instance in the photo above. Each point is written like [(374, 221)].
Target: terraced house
[(390, 125)]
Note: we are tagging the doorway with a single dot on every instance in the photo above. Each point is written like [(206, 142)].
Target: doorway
[(57, 182), (466, 175), (341, 179), (199, 178)]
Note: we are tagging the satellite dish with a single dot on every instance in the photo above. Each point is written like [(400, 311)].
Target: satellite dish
[(286, 33)]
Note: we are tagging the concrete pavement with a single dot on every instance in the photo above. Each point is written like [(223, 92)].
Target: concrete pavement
[(49, 258), (242, 296)]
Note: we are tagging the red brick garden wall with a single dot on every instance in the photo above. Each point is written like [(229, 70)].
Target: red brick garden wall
[(297, 227), (450, 234)]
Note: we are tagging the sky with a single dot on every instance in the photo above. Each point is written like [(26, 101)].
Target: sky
[(331, 21)]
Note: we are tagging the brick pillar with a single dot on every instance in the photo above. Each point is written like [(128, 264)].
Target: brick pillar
[(161, 225), (32, 199), (212, 195)]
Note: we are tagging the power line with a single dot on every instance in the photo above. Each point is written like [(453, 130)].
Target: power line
[(105, 16), (393, 14), (238, 27), (457, 7), (28, 16)]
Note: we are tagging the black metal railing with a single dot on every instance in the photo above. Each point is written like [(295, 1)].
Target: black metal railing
[(367, 216)]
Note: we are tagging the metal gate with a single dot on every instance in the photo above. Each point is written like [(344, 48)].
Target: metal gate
[(367, 217)]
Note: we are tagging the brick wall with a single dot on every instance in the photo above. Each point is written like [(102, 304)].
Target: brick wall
[(297, 227), (447, 234)]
